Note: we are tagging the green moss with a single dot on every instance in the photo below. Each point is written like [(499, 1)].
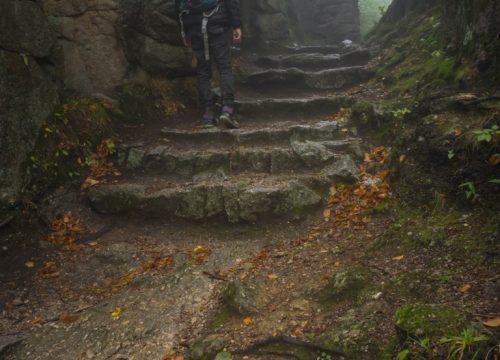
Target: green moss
[(220, 318), (428, 321), (68, 139), (346, 284)]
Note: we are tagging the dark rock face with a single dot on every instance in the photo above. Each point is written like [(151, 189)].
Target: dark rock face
[(24, 28), (298, 21), (469, 29), (151, 37), (27, 97)]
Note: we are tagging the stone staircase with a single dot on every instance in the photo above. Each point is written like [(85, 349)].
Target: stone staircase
[(280, 163)]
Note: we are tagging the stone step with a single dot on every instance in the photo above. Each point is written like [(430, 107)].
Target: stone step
[(316, 61), (236, 199), (281, 133), (219, 163), (314, 49), (333, 79), (255, 109)]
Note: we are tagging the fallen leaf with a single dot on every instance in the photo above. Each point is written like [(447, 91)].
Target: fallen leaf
[(465, 288), (297, 332), (69, 318), (116, 312), (492, 322), (172, 356), (326, 214), (29, 264), (88, 183), (272, 276), (93, 243), (248, 321), (402, 158), (398, 258)]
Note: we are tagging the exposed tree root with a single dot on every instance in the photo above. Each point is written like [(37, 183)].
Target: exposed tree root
[(258, 347)]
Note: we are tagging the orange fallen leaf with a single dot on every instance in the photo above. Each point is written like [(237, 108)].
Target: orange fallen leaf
[(248, 321), (69, 318), (398, 258), (272, 276), (297, 332), (492, 322), (465, 288), (29, 264)]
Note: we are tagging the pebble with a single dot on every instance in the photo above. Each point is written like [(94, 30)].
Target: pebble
[(17, 302)]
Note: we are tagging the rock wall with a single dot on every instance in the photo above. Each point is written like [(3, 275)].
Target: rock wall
[(298, 21), (469, 30), (28, 92)]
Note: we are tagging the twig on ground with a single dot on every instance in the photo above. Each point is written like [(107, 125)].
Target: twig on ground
[(215, 276)]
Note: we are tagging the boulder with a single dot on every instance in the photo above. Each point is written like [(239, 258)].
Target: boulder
[(418, 321), (344, 169), (346, 283), (240, 298)]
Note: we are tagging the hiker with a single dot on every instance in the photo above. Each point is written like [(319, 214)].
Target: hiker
[(209, 27)]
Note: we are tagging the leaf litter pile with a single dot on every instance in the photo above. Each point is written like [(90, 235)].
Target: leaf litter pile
[(66, 230), (348, 205)]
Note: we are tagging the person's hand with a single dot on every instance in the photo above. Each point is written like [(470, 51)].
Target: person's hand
[(237, 36), (187, 42)]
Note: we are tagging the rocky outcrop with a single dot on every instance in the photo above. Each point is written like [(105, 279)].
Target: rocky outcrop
[(91, 58), (28, 93), (298, 21)]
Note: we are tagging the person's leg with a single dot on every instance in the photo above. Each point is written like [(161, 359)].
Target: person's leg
[(221, 51), (204, 76)]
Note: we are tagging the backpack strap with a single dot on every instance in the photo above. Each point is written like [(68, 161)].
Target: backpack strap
[(204, 25), (181, 22)]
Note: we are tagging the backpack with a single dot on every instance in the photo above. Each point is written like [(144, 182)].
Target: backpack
[(197, 6)]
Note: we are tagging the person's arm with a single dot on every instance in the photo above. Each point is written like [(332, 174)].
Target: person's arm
[(233, 8)]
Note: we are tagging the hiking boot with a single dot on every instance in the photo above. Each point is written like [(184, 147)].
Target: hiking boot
[(208, 120), (226, 118)]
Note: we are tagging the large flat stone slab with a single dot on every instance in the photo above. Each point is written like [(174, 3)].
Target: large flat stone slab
[(334, 79), (316, 61), (322, 130), (234, 201), (306, 107), (167, 160)]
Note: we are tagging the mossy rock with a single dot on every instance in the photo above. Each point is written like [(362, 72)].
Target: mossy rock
[(428, 321), (355, 332), (347, 283), (240, 298), (208, 347)]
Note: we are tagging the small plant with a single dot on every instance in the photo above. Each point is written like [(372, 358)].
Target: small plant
[(451, 154), (403, 355), (470, 191), (400, 113), (324, 356), (487, 135), (465, 344)]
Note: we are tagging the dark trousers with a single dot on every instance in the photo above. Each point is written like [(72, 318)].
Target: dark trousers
[(220, 53)]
